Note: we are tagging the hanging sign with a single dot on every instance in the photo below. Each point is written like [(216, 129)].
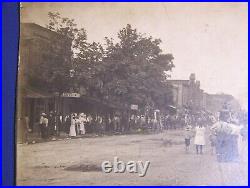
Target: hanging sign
[(134, 107), (74, 95)]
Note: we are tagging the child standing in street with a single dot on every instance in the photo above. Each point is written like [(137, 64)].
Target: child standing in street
[(199, 139), (188, 136)]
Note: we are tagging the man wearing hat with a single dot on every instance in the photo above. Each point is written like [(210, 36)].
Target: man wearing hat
[(188, 135), (44, 126)]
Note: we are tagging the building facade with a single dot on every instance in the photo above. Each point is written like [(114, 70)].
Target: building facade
[(187, 93), (37, 46)]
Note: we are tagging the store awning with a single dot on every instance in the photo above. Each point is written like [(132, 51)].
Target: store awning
[(32, 93)]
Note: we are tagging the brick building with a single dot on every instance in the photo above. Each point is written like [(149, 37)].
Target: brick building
[(187, 93)]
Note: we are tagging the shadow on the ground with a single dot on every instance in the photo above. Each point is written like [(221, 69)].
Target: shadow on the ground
[(84, 168)]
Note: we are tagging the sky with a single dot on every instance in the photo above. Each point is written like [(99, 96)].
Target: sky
[(208, 39)]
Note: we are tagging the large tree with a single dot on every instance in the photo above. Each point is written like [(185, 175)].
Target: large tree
[(136, 70)]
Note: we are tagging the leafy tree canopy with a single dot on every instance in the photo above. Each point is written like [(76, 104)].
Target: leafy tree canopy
[(136, 69)]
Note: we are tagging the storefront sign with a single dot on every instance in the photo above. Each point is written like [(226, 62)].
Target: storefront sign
[(134, 107), (75, 95)]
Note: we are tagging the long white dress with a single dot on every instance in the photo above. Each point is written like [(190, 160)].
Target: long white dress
[(199, 136), (82, 126), (72, 131)]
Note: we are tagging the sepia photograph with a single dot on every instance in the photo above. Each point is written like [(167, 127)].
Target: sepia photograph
[(119, 93)]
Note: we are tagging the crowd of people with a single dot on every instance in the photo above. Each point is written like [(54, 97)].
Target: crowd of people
[(74, 124), (226, 129)]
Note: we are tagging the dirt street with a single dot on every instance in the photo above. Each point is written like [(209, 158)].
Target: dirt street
[(78, 162)]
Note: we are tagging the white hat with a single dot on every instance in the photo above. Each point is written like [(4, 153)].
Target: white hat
[(43, 114)]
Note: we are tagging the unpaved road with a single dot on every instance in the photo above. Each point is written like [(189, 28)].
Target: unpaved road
[(47, 163)]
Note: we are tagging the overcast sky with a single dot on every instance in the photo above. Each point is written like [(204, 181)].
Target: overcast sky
[(208, 39)]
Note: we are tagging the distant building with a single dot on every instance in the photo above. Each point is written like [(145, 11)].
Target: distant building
[(215, 102), (187, 93)]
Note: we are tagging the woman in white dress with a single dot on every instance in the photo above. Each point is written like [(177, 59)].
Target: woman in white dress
[(82, 119), (72, 131), (199, 139)]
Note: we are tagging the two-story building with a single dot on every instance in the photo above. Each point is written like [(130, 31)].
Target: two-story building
[(187, 93)]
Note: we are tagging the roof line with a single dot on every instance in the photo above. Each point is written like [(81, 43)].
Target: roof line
[(44, 28)]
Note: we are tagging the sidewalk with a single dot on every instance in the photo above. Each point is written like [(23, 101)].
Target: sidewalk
[(33, 138)]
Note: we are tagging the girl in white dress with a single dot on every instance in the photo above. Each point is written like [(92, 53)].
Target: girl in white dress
[(199, 139)]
